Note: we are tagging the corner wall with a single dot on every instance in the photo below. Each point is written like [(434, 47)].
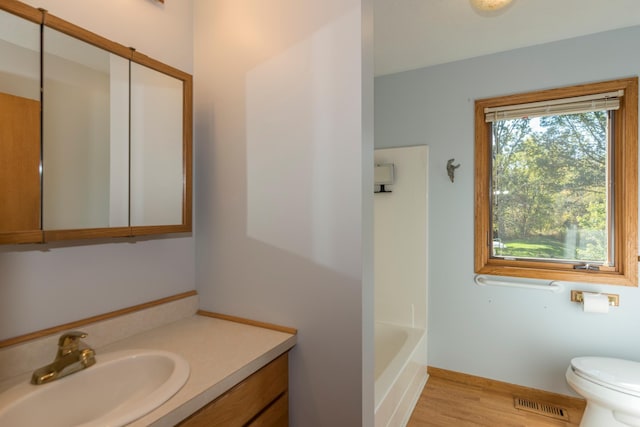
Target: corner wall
[(284, 153), (518, 336)]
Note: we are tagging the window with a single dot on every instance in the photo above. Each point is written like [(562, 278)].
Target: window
[(556, 184)]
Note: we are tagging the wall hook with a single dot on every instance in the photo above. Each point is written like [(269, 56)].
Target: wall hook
[(451, 168)]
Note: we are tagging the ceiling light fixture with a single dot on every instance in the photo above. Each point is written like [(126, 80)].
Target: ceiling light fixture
[(490, 5)]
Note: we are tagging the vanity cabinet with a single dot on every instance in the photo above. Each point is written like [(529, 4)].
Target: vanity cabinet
[(261, 400), (99, 141)]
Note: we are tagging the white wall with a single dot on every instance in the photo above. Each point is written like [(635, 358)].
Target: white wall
[(161, 31), (284, 221), (46, 285), (519, 336), (400, 239)]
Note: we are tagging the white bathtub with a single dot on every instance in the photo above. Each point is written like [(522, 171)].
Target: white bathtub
[(400, 372)]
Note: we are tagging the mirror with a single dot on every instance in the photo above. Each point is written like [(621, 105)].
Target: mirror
[(85, 135), (19, 130), (109, 152), (156, 147)]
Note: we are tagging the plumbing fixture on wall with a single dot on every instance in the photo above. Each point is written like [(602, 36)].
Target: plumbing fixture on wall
[(383, 175), (451, 168)]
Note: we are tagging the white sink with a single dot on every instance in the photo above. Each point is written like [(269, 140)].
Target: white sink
[(121, 387)]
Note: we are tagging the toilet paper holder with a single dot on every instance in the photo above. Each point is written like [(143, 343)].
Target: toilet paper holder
[(614, 299)]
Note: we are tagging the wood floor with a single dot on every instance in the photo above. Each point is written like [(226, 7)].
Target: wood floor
[(448, 403)]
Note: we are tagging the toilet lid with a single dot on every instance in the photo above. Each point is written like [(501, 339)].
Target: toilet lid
[(617, 374)]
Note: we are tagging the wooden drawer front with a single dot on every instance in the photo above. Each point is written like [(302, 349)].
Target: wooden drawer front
[(276, 415), (243, 402)]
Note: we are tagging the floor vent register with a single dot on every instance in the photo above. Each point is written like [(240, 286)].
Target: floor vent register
[(541, 408)]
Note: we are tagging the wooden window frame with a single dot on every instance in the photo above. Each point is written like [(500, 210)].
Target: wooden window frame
[(625, 270)]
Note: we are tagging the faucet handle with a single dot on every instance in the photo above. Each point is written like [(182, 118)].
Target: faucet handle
[(70, 341)]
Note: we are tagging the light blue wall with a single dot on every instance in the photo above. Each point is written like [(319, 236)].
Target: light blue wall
[(519, 336)]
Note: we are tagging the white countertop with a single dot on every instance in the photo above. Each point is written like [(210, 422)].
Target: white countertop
[(220, 354)]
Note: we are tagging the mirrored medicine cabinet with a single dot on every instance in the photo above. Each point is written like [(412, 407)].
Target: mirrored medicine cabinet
[(95, 138)]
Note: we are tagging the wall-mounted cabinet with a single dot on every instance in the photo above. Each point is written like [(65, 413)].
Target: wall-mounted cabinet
[(95, 137)]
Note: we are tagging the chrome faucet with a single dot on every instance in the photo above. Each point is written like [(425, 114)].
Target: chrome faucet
[(69, 359)]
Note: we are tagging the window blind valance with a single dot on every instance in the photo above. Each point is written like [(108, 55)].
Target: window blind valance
[(575, 105)]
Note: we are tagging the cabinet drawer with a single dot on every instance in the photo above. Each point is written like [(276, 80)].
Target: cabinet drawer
[(243, 402), (276, 415)]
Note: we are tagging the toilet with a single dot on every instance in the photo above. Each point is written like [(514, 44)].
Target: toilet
[(611, 388)]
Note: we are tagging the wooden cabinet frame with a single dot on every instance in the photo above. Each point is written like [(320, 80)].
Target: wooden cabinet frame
[(39, 235)]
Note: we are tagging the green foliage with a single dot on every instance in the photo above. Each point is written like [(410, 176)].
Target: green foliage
[(534, 247), (549, 177)]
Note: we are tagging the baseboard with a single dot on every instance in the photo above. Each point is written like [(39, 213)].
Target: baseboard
[(574, 405)]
